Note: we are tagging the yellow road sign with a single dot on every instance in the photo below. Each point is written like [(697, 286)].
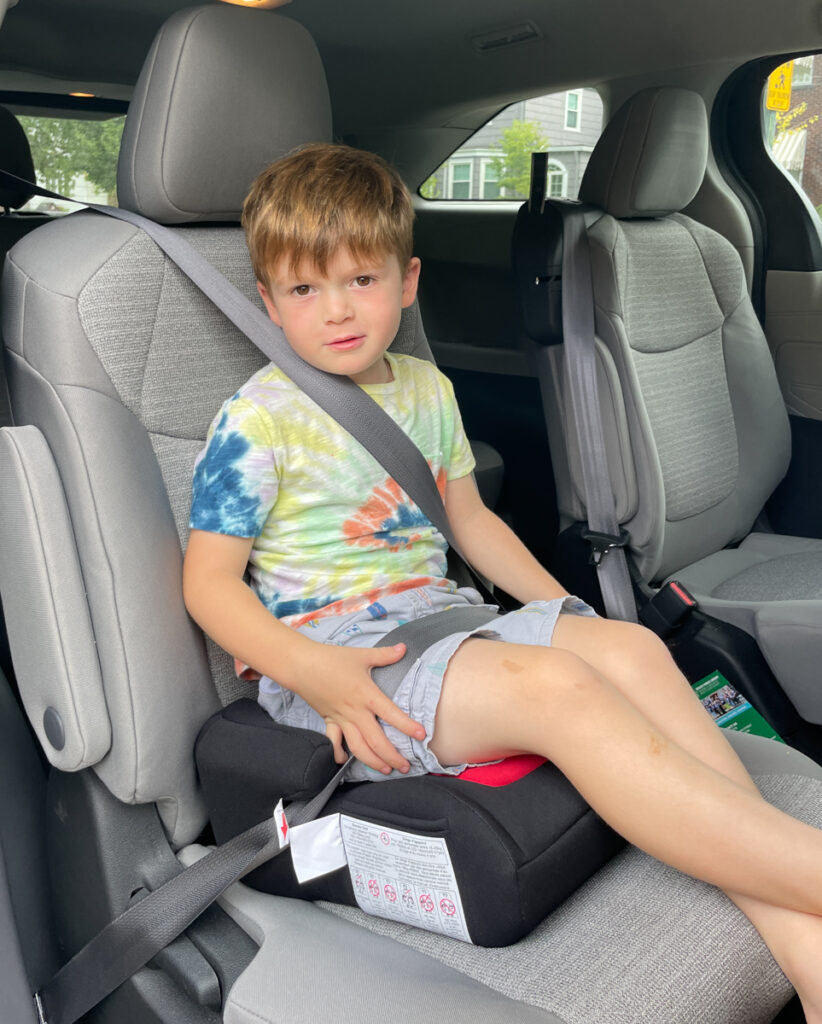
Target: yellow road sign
[(779, 87)]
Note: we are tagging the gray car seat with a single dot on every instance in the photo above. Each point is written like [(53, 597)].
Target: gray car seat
[(696, 427), (116, 366)]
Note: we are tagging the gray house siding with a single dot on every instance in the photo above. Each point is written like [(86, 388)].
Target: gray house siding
[(468, 173)]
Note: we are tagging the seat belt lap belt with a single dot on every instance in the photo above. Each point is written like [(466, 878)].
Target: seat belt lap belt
[(131, 940)]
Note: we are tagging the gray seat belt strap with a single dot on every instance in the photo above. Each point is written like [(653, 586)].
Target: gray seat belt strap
[(419, 634), (340, 397), (578, 329), (129, 941)]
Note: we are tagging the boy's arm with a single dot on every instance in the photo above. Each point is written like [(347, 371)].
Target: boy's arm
[(335, 681), (493, 549)]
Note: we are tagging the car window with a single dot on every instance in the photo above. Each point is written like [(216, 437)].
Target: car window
[(495, 163), (792, 122), (76, 157)]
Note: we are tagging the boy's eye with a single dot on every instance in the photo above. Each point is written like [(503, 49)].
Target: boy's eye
[(301, 289), (363, 280)]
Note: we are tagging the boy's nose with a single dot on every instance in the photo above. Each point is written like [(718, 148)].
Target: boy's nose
[(337, 306)]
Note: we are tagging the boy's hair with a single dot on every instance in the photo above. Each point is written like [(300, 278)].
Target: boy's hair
[(320, 197)]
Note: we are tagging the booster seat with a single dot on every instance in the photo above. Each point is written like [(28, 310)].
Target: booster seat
[(97, 326)]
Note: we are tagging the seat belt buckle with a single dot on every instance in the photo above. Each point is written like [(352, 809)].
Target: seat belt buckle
[(602, 543), (41, 1013), (668, 609)]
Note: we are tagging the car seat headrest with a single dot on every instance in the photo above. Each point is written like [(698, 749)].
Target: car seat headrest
[(651, 158), (16, 151), (223, 92)]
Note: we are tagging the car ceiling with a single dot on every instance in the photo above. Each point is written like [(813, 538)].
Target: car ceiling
[(391, 64)]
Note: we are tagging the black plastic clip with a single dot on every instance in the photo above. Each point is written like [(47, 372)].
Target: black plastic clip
[(602, 543)]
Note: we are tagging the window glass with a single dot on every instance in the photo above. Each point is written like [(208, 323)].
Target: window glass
[(792, 123), (495, 163), (76, 157)]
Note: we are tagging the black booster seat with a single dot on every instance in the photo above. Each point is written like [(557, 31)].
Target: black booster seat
[(483, 857)]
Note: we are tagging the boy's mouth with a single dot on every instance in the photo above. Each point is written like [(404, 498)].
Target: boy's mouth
[(349, 341)]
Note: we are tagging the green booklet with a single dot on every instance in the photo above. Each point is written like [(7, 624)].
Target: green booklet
[(729, 709)]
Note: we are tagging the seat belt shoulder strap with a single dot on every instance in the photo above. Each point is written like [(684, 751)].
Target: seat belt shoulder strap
[(608, 540)]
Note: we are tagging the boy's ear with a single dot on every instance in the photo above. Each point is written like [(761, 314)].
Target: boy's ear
[(268, 302), (410, 282)]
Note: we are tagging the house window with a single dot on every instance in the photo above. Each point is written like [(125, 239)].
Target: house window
[(494, 164), (573, 103), (557, 180), (490, 181), (460, 180)]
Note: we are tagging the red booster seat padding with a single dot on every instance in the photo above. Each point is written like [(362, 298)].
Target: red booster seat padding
[(517, 849)]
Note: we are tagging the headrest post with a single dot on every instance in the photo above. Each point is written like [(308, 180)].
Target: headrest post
[(539, 179)]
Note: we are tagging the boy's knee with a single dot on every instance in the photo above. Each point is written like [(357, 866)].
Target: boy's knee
[(636, 648), (635, 641), (557, 674)]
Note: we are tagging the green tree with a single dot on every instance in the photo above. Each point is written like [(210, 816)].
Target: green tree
[(513, 165), (64, 149), (430, 188)]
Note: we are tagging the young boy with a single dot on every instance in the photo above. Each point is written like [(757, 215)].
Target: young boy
[(337, 553)]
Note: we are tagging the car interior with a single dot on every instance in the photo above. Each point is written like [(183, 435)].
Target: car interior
[(698, 205)]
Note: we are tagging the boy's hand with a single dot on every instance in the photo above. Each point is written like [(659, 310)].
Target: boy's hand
[(339, 686)]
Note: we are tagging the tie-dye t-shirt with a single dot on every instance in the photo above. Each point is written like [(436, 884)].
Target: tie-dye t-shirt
[(332, 531)]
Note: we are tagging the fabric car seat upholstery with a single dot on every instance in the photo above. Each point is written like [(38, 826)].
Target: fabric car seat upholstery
[(697, 431), (116, 365)]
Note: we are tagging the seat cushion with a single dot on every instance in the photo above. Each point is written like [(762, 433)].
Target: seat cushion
[(771, 587), (639, 943)]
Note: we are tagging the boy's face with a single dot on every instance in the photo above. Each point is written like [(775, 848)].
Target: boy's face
[(342, 320)]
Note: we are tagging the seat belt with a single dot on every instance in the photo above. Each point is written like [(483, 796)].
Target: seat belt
[(340, 397), (129, 941), (607, 538)]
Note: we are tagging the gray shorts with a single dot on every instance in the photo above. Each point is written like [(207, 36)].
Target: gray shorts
[(419, 692)]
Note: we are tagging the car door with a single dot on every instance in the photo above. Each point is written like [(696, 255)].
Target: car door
[(768, 124), (465, 218)]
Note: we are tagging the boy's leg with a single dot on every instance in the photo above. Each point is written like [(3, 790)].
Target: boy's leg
[(640, 666), (500, 699)]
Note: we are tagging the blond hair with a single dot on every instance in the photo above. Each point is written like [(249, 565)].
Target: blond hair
[(322, 197)]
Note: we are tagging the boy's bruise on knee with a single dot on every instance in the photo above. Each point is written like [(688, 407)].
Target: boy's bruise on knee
[(512, 666), (656, 745)]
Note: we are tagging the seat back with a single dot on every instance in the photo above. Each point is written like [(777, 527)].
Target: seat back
[(120, 363), (697, 431)]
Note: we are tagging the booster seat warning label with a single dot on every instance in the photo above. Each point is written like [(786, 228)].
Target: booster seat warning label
[(403, 877)]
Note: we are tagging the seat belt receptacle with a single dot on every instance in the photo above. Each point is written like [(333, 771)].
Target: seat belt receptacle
[(668, 609)]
